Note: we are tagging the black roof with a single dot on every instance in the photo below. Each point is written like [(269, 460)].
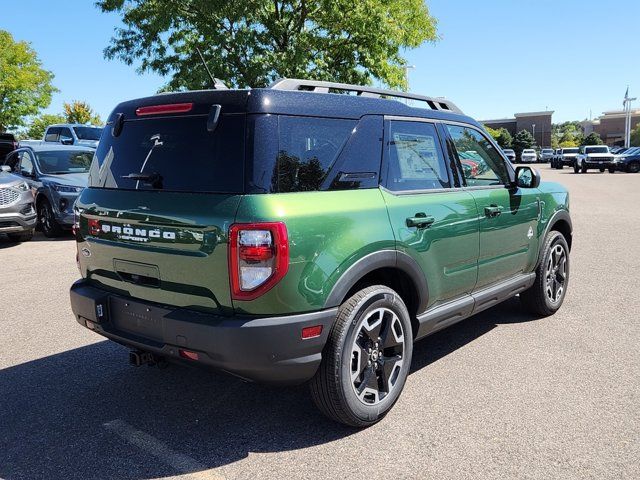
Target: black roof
[(288, 102)]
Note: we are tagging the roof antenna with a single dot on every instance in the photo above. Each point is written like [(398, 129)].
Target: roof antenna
[(216, 82)]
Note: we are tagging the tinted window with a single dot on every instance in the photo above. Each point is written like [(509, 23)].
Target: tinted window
[(348, 156), (172, 153), (597, 150), (65, 135), (12, 161), (64, 161), (415, 159), (307, 150), (52, 135), (481, 162), (88, 133)]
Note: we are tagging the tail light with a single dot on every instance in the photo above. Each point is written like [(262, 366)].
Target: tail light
[(258, 258)]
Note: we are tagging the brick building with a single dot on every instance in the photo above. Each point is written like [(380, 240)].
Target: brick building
[(610, 126), (537, 123)]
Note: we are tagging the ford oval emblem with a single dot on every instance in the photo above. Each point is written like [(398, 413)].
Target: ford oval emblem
[(86, 252)]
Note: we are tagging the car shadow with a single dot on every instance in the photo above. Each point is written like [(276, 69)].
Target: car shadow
[(6, 242), (85, 413)]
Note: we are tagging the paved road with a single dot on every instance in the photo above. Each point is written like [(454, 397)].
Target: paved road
[(501, 395)]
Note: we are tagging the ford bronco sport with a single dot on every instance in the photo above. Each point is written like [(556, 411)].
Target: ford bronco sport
[(308, 232)]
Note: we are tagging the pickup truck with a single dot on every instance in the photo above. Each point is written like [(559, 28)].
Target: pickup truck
[(594, 156)]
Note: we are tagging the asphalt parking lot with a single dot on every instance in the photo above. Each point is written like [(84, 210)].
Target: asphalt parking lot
[(500, 395)]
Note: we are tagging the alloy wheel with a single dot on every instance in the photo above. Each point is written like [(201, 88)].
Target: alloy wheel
[(377, 355), (556, 273)]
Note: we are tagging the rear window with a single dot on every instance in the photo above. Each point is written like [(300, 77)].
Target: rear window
[(172, 154)]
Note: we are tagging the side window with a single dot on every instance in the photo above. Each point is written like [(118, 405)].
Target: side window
[(481, 163), (65, 136), (52, 135), (26, 164), (12, 161), (308, 148), (414, 158)]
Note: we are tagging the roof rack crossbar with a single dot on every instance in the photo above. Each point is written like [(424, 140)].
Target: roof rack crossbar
[(435, 103)]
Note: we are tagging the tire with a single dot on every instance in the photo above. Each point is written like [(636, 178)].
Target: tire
[(612, 170), (576, 169), (633, 167), (47, 220), (344, 388), (602, 170), (21, 237), (583, 169), (560, 166), (544, 297)]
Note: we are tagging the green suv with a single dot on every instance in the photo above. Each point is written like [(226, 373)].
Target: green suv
[(307, 232)]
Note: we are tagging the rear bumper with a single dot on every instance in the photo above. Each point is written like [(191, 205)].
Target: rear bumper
[(266, 350)]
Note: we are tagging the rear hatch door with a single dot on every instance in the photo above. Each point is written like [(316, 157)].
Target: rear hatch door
[(163, 189)]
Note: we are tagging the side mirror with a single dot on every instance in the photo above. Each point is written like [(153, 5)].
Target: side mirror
[(5, 168), (527, 177), (66, 141)]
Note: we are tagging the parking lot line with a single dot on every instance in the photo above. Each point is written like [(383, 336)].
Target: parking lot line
[(188, 468)]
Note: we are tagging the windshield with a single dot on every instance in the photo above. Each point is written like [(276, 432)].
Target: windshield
[(547, 151), (570, 150), (508, 150), (527, 151), (88, 133), (597, 150), (64, 161)]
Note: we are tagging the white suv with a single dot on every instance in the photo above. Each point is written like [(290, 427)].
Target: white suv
[(594, 156), (529, 155)]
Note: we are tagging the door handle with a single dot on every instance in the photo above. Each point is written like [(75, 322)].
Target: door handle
[(421, 220), (493, 211)]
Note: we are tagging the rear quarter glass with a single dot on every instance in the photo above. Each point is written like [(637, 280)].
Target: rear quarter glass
[(178, 152)]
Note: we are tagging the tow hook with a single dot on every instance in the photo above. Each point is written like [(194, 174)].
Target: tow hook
[(139, 357)]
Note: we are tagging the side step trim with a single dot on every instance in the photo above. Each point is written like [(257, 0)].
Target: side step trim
[(454, 311)]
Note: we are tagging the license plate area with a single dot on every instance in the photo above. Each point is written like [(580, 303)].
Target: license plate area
[(137, 318)]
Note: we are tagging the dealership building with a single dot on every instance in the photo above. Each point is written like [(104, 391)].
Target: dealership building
[(537, 123), (610, 126)]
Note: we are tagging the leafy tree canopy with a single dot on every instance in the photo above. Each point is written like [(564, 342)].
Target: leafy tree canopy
[(25, 87), (40, 123), (635, 136), (253, 42), (522, 140), (80, 112), (501, 135), (592, 139)]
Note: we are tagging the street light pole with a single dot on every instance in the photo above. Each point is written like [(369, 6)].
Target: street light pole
[(406, 74), (533, 128)]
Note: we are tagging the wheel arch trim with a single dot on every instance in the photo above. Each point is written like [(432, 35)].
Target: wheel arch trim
[(377, 260)]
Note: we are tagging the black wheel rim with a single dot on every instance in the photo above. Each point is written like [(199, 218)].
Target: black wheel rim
[(556, 274), (634, 167), (377, 356), (45, 218)]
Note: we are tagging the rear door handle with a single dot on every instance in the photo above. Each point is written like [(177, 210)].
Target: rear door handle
[(493, 211), (421, 220)]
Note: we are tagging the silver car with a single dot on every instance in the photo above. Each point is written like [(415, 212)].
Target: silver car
[(17, 208)]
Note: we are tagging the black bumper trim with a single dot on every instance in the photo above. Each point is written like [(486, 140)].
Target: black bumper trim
[(266, 350)]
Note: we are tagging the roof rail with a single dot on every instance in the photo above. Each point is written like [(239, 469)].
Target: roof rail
[(435, 103)]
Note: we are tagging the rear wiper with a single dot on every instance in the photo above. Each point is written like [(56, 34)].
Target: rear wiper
[(154, 179)]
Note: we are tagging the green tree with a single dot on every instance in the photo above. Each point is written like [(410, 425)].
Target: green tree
[(250, 43), (522, 140), (502, 136), (25, 87), (505, 140), (592, 139), (635, 136), (40, 123), (80, 112)]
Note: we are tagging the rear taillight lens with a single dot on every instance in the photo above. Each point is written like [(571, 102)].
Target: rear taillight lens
[(258, 258)]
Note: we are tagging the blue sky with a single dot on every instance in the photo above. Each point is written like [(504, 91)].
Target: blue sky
[(495, 57)]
